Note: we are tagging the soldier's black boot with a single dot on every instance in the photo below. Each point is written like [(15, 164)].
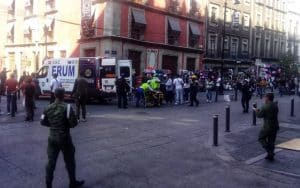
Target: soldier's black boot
[(48, 184), (76, 184), (270, 156)]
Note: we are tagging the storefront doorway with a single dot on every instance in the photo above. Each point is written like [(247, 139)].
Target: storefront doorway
[(170, 63)]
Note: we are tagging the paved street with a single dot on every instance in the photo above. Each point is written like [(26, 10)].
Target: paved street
[(164, 147)]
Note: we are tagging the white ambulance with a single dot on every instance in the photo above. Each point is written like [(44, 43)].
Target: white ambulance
[(101, 74)]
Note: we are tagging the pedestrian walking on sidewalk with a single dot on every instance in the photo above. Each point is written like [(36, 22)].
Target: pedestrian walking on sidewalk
[(29, 93), (246, 95), (122, 90), (209, 86), (21, 82), (193, 91), (60, 117), (80, 91), (178, 84), (169, 90), (11, 92), (267, 135)]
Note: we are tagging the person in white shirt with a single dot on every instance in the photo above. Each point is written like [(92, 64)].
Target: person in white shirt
[(55, 83), (169, 90), (178, 83)]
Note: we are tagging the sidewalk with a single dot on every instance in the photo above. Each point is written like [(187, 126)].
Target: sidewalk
[(241, 144)]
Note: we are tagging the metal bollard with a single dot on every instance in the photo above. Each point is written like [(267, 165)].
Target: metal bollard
[(292, 107), (254, 115), (215, 131), (227, 119)]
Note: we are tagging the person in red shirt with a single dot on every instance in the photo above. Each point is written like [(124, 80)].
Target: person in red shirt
[(11, 90)]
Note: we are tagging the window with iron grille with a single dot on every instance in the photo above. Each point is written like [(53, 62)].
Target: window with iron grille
[(28, 7), (245, 46), (49, 32), (173, 31), (212, 45), (246, 21), (213, 17), (194, 35), (173, 38), (226, 43), (11, 10), (267, 48), (234, 47), (138, 24), (11, 35)]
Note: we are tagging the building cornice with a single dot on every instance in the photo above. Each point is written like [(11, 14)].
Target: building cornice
[(157, 10), (51, 12), (29, 44), (293, 12), (145, 43)]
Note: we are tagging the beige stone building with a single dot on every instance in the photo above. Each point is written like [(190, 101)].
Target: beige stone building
[(293, 30), (228, 41), (39, 29), (269, 31), (3, 14)]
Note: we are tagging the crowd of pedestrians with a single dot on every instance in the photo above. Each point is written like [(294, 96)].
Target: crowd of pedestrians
[(184, 88), (13, 89)]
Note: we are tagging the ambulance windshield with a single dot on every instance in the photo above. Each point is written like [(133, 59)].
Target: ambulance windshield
[(108, 72)]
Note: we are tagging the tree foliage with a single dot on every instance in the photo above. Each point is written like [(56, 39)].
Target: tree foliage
[(289, 67)]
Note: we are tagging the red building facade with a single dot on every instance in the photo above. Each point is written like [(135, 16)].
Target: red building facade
[(159, 34)]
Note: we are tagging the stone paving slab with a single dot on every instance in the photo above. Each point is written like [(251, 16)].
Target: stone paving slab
[(293, 144), (286, 162)]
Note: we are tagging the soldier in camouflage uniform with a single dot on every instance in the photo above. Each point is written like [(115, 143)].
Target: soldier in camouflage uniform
[(267, 135), (60, 118)]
